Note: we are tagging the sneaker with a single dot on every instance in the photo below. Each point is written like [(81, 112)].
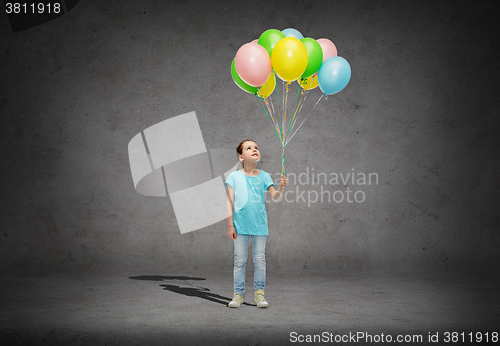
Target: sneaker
[(259, 299), (236, 302)]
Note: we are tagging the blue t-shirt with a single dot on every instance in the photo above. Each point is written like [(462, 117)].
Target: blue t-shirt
[(249, 213)]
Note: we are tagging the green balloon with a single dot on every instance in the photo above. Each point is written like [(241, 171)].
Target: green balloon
[(269, 38), (315, 56), (239, 82)]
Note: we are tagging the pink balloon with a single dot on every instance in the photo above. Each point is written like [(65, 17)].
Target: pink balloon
[(253, 64), (329, 49)]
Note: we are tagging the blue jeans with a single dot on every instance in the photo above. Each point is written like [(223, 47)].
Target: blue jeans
[(240, 261)]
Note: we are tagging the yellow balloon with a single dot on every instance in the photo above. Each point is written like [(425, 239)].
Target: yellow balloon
[(268, 87), (289, 58), (308, 83)]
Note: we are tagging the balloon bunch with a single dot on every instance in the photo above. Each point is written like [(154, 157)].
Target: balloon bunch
[(291, 57)]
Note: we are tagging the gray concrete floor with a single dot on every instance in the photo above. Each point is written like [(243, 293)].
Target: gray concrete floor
[(169, 309)]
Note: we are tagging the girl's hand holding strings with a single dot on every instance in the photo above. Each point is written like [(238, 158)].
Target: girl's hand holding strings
[(283, 181)]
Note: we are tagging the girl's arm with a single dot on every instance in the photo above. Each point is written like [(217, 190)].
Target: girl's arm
[(276, 194), (231, 232)]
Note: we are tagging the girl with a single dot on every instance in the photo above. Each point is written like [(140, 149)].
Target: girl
[(247, 218)]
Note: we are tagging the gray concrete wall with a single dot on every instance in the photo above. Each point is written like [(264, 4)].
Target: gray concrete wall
[(421, 111)]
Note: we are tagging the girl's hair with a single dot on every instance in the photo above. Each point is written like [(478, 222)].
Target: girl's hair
[(239, 149)]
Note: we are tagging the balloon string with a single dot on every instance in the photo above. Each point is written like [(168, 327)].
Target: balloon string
[(305, 119), (294, 107), (275, 122), (277, 102), (297, 96), (300, 109), (297, 110), (272, 104), (283, 160), (272, 111), (284, 110), (273, 125), (299, 91)]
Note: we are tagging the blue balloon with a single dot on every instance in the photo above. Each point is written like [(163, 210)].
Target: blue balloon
[(333, 75), (292, 33)]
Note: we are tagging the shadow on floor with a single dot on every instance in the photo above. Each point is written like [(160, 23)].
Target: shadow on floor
[(162, 278), (190, 291)]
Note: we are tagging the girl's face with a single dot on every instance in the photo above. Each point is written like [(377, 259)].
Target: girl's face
[(250, 152)]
